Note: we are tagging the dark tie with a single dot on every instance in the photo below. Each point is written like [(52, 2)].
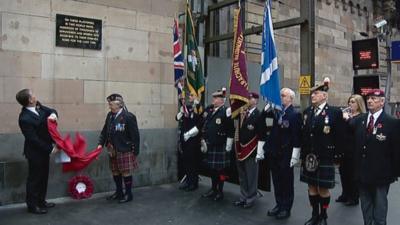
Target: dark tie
[(370, 127)]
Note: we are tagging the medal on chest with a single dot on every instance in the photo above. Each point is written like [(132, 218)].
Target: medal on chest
[(327, 128), (218, 121)]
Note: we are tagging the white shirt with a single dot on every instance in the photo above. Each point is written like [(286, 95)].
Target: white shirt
[(119, 112), (320, 107), (375, 115), (32, 109), (251, 111)]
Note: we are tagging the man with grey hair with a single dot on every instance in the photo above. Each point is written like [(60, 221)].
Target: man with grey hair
[(283, 150), (376, 157), (322, 135)]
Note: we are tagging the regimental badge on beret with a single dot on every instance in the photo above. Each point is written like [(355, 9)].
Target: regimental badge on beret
[(115, 97), (220, 93), (253, 95), (321, 86)]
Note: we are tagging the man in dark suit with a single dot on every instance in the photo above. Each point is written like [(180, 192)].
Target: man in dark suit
[(217, 143), (120, 134), (190, 125), (248, 153), (37, 149), (321, 140), (283, 151), (376, 158)]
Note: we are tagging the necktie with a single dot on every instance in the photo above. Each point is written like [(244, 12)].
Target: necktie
[(316, 110), (370, 127)]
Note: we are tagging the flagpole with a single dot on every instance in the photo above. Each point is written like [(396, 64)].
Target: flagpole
[(239, 3)]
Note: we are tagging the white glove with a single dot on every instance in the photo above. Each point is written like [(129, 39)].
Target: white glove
[(191, 133), (203, 147), (260, 151), (53, 117), (228, 112), (229, 143), (295, 157)]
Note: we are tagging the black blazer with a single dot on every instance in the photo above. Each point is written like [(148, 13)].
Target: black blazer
[(285, 135), (323, 134), (376, 155), (251, 127), (38, 143), (122, 132), (217, 126)]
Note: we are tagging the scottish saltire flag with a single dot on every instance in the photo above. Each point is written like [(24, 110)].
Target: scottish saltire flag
[(178, 61), (269, 83), (239, 87)]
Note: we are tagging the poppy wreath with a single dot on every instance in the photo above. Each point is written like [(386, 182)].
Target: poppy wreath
[(80, 187)]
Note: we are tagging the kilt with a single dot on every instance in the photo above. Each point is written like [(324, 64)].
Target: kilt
[(323, 177), (123, 163), (217, 157)]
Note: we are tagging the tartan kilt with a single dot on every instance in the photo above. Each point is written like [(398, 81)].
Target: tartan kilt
[(323, 177), (217, 157), (123, 162)]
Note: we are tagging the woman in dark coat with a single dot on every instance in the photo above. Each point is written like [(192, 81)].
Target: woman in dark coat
[(349, 196)]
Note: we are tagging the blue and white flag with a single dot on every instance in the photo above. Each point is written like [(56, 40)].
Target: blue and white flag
[(269, 83)]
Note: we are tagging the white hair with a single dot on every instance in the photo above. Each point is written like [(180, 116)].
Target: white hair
[(290, 91)]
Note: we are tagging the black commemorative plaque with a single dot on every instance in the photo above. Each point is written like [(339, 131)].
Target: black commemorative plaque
[(78, 32)]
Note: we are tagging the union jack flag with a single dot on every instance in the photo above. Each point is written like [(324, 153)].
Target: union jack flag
[(178, 61)]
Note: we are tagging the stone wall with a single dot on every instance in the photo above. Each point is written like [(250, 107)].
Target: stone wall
[(135, 61), (338, 23)]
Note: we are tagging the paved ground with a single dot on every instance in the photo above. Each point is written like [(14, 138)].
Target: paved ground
[(164, 204)]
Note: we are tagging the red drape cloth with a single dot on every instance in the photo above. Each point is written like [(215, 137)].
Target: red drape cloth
[(79, 158)]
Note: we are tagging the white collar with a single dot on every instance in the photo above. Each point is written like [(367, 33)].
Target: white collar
[(320, 108), (252, 110), (32, 109), (375, 115), (119, 112)]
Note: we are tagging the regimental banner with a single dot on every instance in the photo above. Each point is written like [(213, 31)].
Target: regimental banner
[(239, 87), (78, 32), (194, 71)]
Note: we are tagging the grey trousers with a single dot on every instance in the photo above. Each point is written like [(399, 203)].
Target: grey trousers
[(248, 179), (374, 204)]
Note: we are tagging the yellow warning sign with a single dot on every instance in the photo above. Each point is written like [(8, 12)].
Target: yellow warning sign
[(305, 84)]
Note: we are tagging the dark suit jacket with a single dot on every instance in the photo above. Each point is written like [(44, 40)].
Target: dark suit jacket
[(250, 133), (38, 142), (323, 134), (217, 126), (285, 135), (122, 132), (376, 155)]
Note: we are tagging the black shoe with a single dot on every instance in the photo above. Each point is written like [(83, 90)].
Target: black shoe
[(191, 188), (341, 198), (274, 211), (125, 199), (352, 202), (115, 196), (219, 197), (183, 186), (322, 221), (283, 214), (248, 205), (36, 210), (209, 194), (239, 203), (313, 221), (47, 205)]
